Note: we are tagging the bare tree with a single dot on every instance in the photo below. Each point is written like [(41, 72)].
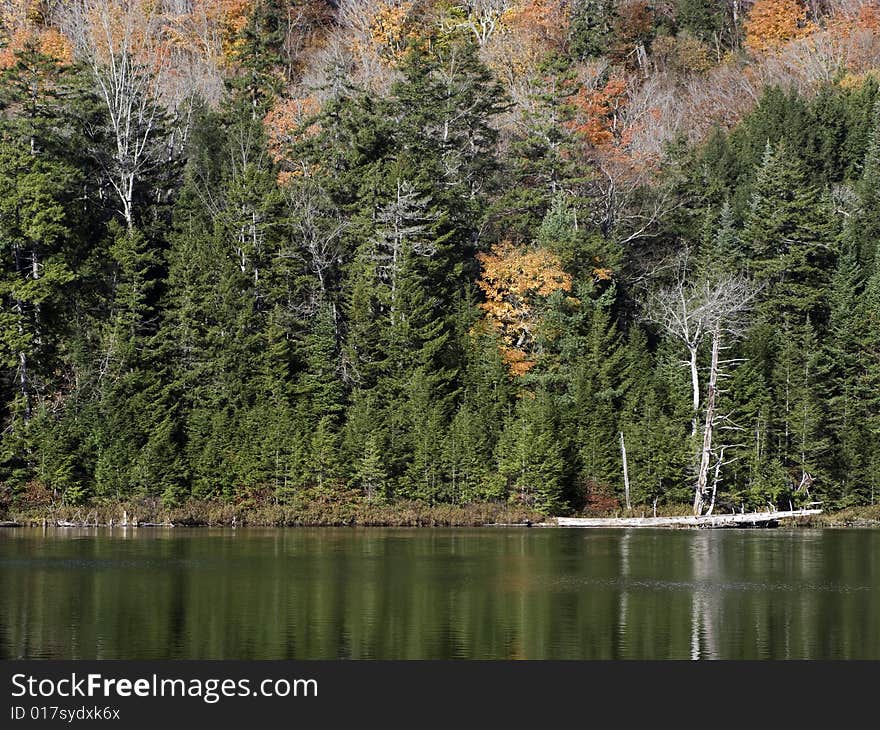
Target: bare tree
[(404, 229), (121, 42), (694, 307), (354, 38), (484, 17), (319, 242)]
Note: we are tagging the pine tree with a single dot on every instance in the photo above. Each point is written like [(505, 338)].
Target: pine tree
[(868, 382), (529, 457), (370, 475), (655, 422), (781, 120), (320, 389), (791, 236), (756, 470), (257, 53), (799, 414), (323, 463), (591, 25), (703, 19), (863, 226), (846, 419), (467, 450), (596, 392), (444, 106), (542, 165), (34, 197)]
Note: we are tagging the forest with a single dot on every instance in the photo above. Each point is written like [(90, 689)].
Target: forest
[(440, 252)]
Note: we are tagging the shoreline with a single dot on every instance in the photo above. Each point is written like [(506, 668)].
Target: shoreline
[(316, 513), (330, 513)]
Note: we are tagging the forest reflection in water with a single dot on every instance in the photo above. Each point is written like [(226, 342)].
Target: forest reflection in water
[(439, 593)]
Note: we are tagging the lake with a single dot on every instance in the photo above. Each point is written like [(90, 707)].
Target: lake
[(490, 593)]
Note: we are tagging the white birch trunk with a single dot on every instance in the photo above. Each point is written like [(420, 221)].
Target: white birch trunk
[(708, 426)]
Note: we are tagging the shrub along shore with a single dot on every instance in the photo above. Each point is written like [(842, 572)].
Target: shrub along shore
[(307, 513)]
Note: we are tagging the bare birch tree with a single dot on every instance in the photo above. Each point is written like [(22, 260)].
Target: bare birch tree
[(485, 17), (121, 43), (693, 307), (404, 230)]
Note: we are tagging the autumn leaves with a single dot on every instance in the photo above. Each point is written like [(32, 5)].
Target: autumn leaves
[(516, 283)]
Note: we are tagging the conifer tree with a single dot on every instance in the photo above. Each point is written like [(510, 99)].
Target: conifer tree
[(370, 474), (791, 236), (840, 368), (863, 227), (529, 457), (868, 385)]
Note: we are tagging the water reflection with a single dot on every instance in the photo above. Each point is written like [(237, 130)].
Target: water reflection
[(515, 593)]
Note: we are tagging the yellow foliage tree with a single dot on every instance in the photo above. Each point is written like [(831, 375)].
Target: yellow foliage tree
[(513, 281), (525, 32), (232, 17), (391, 28), (773, 23)]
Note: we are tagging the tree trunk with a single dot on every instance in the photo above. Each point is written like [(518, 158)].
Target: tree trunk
[(695, 387), (708, 426), (625, 472), (715, 480)]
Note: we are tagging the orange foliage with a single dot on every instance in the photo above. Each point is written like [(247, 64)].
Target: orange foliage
[(773, 23), (284, 123), (23, 25), (846, 27), (527, 31), (632, 28), (231, 17), (541, 24), (55, 45), (869, 18), (390, 28), (512, 281), (598, 113)]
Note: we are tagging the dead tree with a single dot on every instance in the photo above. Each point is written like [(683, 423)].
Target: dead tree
[(694, 307), (121, 44)]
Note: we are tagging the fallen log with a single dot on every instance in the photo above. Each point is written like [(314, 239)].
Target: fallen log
[(747, 519)]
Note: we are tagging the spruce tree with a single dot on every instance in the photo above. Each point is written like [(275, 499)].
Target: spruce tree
[(862, 229), (868, 384), (529, 458), (841, 366), (791, 237)]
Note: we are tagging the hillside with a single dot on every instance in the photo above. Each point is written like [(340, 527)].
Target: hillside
[(288, 253)]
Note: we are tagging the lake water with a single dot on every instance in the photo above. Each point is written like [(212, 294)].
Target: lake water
[(440, 593)]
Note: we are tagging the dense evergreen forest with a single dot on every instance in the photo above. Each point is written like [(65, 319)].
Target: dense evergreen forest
[(440, 250)]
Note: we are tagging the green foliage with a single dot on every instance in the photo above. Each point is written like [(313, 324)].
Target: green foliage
[(702, 19), (530, 460), (591, 24), (791, 236)]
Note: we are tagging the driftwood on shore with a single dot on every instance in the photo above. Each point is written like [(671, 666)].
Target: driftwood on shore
[(111, 524), (10, 524), (742, 519)]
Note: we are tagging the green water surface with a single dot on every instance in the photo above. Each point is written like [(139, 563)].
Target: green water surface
[(486, 593)]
